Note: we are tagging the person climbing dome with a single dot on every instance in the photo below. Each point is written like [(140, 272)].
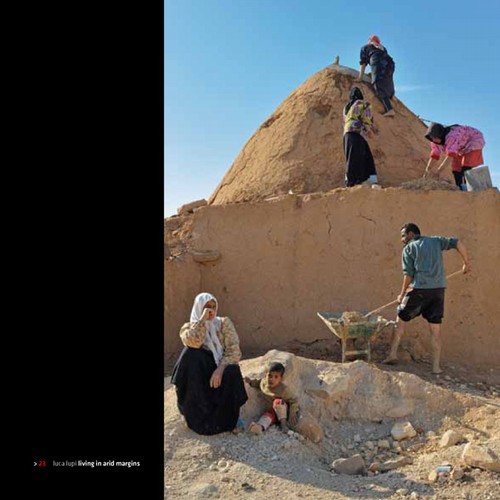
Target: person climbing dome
[(358, 126), (462, 143), (382, 69)]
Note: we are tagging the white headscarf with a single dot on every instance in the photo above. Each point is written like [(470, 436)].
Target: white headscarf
[(212, 342)]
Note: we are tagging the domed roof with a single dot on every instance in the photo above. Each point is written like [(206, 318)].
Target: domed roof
[(299, 147)]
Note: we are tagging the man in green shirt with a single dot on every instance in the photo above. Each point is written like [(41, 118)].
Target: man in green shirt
[(424, 282)]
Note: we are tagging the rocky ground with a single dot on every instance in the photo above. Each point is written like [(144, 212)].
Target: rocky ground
[(288, 466)]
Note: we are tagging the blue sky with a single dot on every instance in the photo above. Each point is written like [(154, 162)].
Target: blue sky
[(230, 63)]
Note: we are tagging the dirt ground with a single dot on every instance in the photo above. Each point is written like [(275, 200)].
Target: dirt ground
[(277, 465)]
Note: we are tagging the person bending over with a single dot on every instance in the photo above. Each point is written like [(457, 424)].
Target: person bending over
[(423, 287)]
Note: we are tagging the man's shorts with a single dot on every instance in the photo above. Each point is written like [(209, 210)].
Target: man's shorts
[(428, 302)]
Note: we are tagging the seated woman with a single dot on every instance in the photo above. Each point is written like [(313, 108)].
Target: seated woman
[(207, 378)]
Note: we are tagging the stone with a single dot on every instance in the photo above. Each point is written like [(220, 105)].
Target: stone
[(374, 467), (450, 438), (247, 487), (433, 476), (309, 427), (402, 492), (457, 473), (384, 444), (352, 466), (370, 445), (189, 207), (395, 463), (202, 490), (403, 430), (405, 408), (480, 456)]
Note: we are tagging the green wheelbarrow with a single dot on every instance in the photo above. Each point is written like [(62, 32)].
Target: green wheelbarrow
[(359, 326)]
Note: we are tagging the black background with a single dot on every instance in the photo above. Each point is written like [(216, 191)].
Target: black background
[(88, 240)]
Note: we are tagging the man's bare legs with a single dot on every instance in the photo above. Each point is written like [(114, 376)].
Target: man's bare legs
[(396, 339), (435, 329)]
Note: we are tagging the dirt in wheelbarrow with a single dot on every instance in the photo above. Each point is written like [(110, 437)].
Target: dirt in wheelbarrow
[(352, 317)]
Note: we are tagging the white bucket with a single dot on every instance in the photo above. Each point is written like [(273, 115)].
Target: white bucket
[(478, 179)]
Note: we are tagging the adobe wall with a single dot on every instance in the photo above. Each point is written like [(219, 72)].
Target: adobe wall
[(282, 261)]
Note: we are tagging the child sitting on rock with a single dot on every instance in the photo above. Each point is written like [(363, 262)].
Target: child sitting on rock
[(282, 406), (281, 401)]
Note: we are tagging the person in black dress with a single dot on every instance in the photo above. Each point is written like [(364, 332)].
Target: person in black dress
[(208, 381)]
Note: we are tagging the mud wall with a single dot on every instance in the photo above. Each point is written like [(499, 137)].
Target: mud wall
[(282, 261)]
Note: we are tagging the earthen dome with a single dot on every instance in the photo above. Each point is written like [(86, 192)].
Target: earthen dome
[(299, 147)]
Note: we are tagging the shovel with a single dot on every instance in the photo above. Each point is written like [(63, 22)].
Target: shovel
[(394, 301)]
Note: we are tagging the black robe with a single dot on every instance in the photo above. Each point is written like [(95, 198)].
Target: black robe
[(207, 410), (359, 159)]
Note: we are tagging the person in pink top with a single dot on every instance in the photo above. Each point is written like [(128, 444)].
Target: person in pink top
[(462, 143)]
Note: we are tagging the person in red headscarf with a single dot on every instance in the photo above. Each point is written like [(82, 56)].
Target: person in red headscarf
[(382, 68)]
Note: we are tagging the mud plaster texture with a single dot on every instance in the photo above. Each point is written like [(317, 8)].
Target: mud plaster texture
[(299, 147), (283, 261)]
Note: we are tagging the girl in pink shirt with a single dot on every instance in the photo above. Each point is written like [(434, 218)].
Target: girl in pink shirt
[(461, 143)]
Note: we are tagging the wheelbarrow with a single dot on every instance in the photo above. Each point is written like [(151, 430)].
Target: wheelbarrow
[(363, 326)]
